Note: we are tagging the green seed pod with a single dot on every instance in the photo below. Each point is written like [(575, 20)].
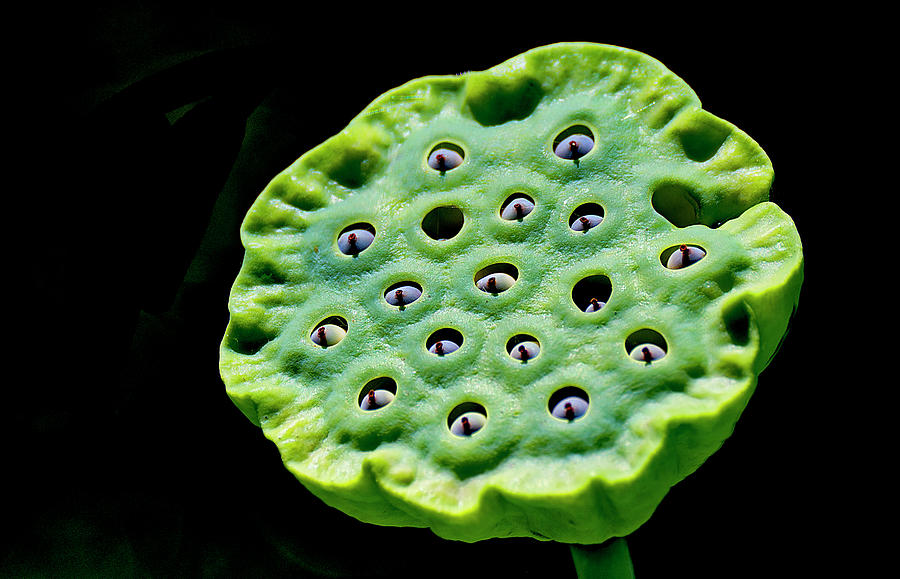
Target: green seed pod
[(634, 365)]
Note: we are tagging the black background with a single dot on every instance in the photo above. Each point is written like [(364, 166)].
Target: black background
[(127, 458)]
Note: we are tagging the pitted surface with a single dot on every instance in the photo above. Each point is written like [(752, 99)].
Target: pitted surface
[(663, 173)]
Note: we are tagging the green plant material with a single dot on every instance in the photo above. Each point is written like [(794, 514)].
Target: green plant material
[(656, 363), (610, 560)]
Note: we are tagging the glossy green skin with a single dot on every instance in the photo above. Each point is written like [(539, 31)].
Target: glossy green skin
[(526, 473)]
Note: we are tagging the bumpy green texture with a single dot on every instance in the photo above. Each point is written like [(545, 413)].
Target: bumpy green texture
[(665, 173)]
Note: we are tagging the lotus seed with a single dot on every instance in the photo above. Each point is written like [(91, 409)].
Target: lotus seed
[(586, 222), (574, 147), (684, 256), (402, 295), (517, 208), (495, 283), (444, 159), (525, 350), (328, 335), (443, 347), (647, 352), (570, 408), (354, 241), (376, 398), (468, 424), (594, 306)]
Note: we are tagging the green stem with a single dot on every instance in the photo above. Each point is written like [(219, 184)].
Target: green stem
[(609, 560)]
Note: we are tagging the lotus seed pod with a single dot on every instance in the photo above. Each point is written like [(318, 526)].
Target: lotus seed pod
[(580, 442)]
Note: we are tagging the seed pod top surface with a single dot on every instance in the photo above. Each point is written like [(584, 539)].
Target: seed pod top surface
[(646, 325)]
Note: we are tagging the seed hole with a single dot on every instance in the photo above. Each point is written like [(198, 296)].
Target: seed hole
[(592, 293), (356, 238), (329, 331), (646, 345), (523, 347), (403, 293), (586, 217), (467, 419), (496, 278), (704, 139), (681, 256), (444, 341), (574, 143), (676, 203), (377, 393), (737, 323), (516, 207), (445, 156), (442, 223), (569, 403)]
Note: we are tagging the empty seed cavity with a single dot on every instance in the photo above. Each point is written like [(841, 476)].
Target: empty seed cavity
[(356, 238), (569, 403), (592, 293), (467, 419), (444, 341), (574, 143), (516, 207), (442, 223), (586, 217), (646, 345), (523, 347), (445, 156), (677, 203), (682, 256), (403, 293), (377, 393), (496, 278), (329, 331)]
